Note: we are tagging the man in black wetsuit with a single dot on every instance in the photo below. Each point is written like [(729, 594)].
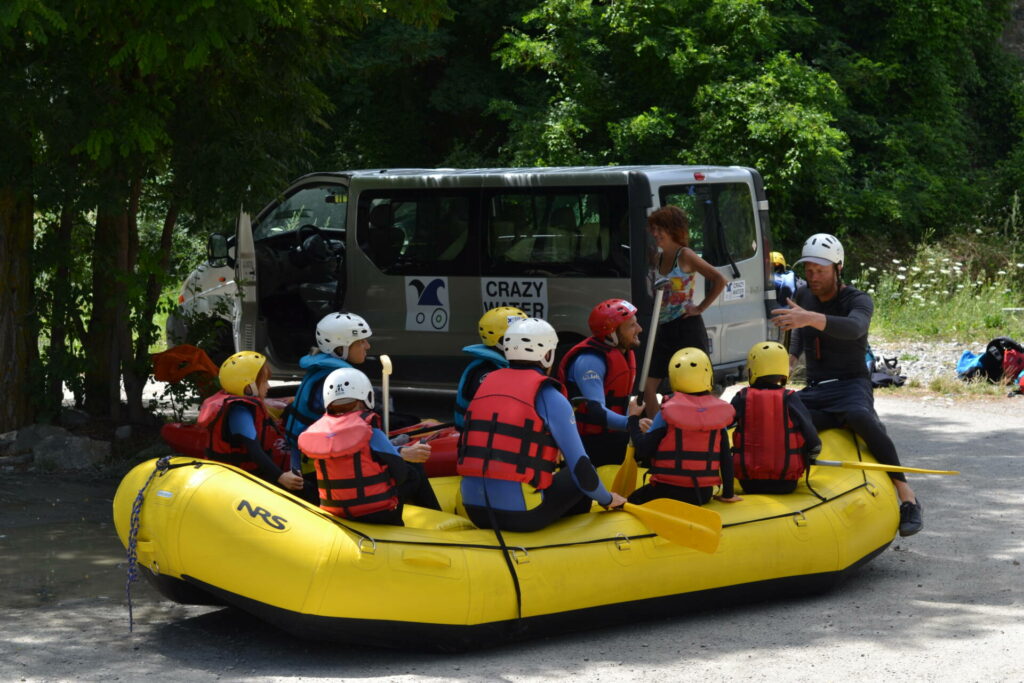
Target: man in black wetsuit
[(830, 323)]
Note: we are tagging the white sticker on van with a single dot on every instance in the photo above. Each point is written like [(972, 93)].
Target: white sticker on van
[(737, 289), (530, 295), (426, 304)]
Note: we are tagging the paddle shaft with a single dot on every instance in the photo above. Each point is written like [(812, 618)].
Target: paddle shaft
[(385, 374), (625, 479), (659, 293), (879, 467)]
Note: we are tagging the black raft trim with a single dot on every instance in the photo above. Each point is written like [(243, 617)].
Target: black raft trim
[(406, 635)]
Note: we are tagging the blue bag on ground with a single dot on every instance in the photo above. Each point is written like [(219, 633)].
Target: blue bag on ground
[(969, 365)]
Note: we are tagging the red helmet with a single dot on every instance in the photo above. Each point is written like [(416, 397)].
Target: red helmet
[(608, 315)]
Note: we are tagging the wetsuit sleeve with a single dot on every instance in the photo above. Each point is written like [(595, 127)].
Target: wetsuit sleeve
[(855, 323), (646, 444), (802, 421), (241, 422), (265, 467), (557, 414), (587, 372), (379, 443)]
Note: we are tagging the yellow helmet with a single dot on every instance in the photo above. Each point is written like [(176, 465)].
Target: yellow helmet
[(494, 322), (689, 371), (767, 358), (778, 259), (240, 371)]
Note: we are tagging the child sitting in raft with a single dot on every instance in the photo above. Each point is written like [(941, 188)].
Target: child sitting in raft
[(243, 433), (342, 341), (359, 473), (687, 447), (775, 439)]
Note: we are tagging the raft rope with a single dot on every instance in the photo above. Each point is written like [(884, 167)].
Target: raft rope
[(162, 465), (363, 536)]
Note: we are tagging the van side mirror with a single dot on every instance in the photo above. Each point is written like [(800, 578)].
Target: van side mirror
[(217, 250)]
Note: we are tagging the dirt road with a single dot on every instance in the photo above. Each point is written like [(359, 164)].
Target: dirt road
[(947, 604)]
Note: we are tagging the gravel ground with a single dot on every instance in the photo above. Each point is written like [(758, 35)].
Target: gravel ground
[(924, 361)]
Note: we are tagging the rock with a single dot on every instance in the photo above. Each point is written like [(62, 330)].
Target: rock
[(123, 432), (30, 436), (59, 453), (157, 450), (72, 418), (7, 440)]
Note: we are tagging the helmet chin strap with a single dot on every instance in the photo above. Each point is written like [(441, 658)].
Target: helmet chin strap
[(613, 338), (344, 354)]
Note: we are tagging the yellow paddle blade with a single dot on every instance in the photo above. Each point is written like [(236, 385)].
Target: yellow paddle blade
[(625, 478), (680, 523), (879, 467)]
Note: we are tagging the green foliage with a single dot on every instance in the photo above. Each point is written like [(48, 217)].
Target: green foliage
[(864, 117), (957, 289)]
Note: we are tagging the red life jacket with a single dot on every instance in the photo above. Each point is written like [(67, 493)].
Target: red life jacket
[(766, 443), (618, 380), (504, 437), (688, 455), (213, 416), (352, 482)]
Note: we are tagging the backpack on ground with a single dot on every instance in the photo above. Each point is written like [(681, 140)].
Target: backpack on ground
[(992, 361), (884, 372)]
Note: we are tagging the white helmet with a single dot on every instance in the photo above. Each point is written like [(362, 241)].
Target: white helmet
[(530, 339), (340, 329), (350, 384), (823, 249)]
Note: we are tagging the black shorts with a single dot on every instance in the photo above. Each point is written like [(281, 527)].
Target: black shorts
[(674, 335)]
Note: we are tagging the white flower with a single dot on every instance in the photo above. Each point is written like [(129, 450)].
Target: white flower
[(1020, 265), (901, 277), (895, 260), (1000, 272), (873, 269), (977, 231)]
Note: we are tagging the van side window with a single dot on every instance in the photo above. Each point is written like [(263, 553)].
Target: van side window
[(721, 219), (408, 232), (556, 232), (323, 207)]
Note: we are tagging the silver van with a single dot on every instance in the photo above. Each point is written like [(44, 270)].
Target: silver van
[(422, 253)]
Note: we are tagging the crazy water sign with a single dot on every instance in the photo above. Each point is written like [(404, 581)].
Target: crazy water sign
[(426, 304), (530, 295)]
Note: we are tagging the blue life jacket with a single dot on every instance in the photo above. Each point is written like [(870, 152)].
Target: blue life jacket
[(308, 406), (483, 355)]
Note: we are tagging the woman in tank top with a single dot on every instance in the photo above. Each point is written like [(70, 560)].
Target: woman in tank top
[(679, 323)]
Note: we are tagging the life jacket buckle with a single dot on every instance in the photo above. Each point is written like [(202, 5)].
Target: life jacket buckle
[(523, 558), (371, 550), (622, 542), (799, 518)]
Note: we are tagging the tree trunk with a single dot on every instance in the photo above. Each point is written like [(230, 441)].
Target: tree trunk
[(18, 345), (154, 285), (59, 357), (102, 375)]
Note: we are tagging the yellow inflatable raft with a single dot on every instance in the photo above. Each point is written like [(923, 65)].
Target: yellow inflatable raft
[(208, 533)]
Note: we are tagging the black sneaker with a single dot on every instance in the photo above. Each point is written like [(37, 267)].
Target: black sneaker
[(911, 518)]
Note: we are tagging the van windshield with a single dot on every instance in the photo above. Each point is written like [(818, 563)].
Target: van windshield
[(322, 206)]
